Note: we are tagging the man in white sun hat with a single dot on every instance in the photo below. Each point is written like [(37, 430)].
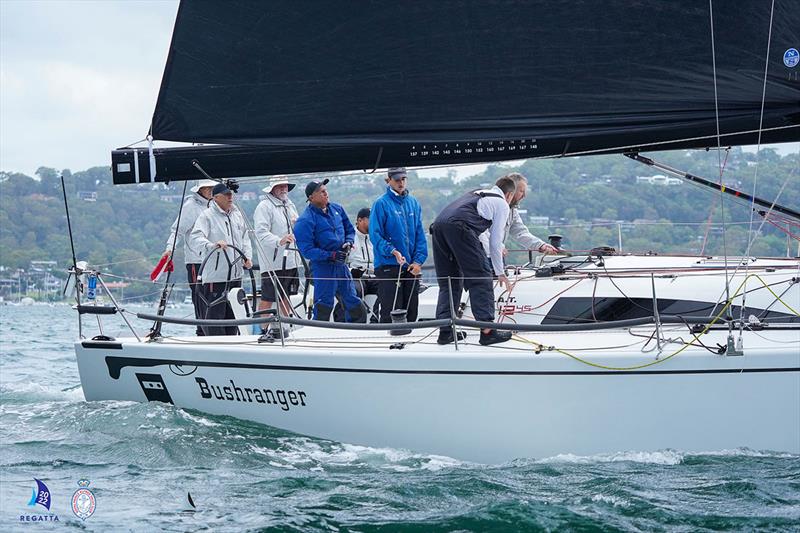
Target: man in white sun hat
[(274, 220), (193, 205)]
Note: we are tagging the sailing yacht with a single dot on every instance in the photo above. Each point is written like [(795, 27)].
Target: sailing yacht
[(610, 352)]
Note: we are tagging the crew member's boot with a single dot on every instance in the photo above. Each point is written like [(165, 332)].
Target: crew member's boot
[(446, 336), (494, 337), (323, 312), (357, 314)]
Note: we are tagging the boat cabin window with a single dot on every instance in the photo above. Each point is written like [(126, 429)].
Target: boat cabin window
[(576, 310)]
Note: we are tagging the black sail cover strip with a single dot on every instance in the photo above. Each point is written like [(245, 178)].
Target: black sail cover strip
[(313, 85)]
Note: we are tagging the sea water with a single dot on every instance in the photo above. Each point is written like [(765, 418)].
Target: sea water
[(141, 460)]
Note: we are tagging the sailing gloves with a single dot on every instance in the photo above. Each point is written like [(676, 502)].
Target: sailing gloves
[(340, 256)]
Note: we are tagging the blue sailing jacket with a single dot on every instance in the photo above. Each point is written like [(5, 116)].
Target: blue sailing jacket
[(319, 233), (395, 223)]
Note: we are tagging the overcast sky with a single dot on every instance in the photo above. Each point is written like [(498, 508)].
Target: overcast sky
[(80, 78)]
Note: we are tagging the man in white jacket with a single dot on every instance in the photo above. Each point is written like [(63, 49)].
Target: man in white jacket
[(361, 261), (193, 205), (274, 219), (216, 230)]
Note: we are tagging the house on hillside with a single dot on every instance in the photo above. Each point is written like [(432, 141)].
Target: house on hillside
[(87, 196)]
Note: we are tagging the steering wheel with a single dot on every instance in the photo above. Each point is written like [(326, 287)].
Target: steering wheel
[(239, 257)]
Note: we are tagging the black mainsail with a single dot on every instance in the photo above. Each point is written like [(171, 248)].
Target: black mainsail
[(290, 87)]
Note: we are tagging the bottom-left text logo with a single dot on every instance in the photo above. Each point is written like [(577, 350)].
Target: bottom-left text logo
[(39, 496)]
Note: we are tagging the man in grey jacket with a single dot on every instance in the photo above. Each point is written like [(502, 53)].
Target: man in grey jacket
[(274, 220), (193, 205), (216, 231), (515, 228)]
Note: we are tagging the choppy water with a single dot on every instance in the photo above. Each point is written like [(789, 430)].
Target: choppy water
[(142, 459)]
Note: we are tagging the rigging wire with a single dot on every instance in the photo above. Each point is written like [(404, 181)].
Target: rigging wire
[(758, 153), (712, 210), (763, 221), (719, 142), (155, 331)]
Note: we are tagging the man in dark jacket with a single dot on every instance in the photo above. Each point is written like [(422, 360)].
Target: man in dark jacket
[(395, 227), (459, 257), (324, 236)]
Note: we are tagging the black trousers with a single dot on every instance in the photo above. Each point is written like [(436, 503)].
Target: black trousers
[(407, 295), (194, 288), (215, 298), (459, 256)]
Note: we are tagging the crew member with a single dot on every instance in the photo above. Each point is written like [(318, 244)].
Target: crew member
[(274, 220), (515, 228), (217, 231), (324, 236), (459, 259), (193, 205), (361, 259), (395, 227)]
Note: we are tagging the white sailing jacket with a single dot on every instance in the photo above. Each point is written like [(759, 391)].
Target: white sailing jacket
[(362, 256), (192, 207), (273, 219), (518, 231), (215, 225)]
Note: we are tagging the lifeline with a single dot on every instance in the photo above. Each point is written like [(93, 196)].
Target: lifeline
[(246, 394)]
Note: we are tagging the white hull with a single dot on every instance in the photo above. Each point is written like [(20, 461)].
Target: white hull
[(483, 404)]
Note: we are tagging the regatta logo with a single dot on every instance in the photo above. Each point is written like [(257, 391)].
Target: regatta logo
[(232, 393), (39, 496)]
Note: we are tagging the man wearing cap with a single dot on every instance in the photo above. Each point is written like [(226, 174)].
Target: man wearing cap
[(459, 258), (217, 230), (193, 205), (515, 228), (274, 219), (362, 258), (395, 227), (325, 236)]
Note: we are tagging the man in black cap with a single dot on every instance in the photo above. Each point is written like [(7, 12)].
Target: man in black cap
[(459, 257), (324, 235), (217, 229)]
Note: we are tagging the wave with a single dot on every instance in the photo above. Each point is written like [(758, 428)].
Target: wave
[(304, 452), (28, 390), (664, 457)]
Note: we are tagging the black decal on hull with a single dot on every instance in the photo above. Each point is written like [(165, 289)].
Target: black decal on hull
[(116, 364), (154, 388)]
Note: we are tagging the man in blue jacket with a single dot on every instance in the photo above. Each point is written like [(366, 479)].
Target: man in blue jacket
[(324, 236), (395, 227)]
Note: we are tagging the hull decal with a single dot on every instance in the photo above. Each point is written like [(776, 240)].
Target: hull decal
[(116, 364), (154, 388)]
